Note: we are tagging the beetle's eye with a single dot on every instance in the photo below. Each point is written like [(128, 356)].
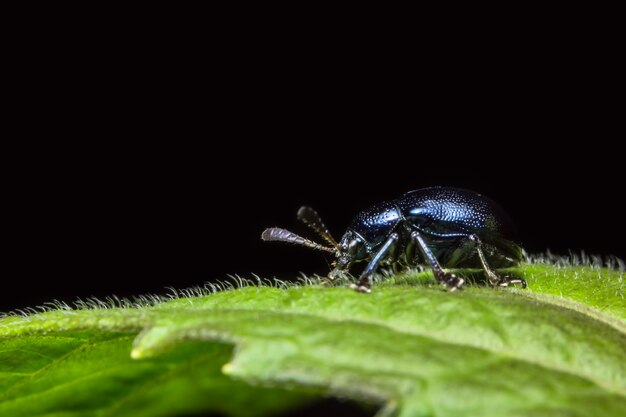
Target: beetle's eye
[(352, 247)]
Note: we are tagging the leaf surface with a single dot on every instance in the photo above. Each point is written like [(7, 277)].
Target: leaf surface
[(555, 349)]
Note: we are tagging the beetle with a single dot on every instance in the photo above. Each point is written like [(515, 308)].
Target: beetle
[(443, 227)]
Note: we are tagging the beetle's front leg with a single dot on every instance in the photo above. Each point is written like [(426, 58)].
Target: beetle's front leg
[(452, 281), (364, 284)]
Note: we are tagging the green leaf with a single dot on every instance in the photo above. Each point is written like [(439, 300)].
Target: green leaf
[(555, 349)]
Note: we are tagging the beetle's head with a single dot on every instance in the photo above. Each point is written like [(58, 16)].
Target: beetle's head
[(350, 249)]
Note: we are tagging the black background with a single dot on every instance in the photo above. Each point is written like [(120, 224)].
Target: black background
[(140, 168)]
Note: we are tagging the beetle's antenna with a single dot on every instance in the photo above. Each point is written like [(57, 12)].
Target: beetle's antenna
[(282, 235), (310, 217)]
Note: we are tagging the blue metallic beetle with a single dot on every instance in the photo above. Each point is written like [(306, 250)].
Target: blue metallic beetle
[(442, 226)]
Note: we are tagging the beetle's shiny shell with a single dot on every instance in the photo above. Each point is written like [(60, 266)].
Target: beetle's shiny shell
[(447, 216)]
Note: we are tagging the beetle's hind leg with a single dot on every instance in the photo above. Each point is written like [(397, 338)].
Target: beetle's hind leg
[(452, 281), (494, 279)]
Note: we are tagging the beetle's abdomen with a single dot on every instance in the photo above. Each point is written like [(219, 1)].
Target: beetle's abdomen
[(449, 211), (375, 223)]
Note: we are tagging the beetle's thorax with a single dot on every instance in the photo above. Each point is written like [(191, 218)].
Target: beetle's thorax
[(375, 224)]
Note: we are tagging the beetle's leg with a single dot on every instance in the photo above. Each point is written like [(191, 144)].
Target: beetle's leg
[(364, 284), (452, 281), (494, 279)]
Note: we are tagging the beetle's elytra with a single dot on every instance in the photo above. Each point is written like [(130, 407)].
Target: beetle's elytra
[(443, 227)]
